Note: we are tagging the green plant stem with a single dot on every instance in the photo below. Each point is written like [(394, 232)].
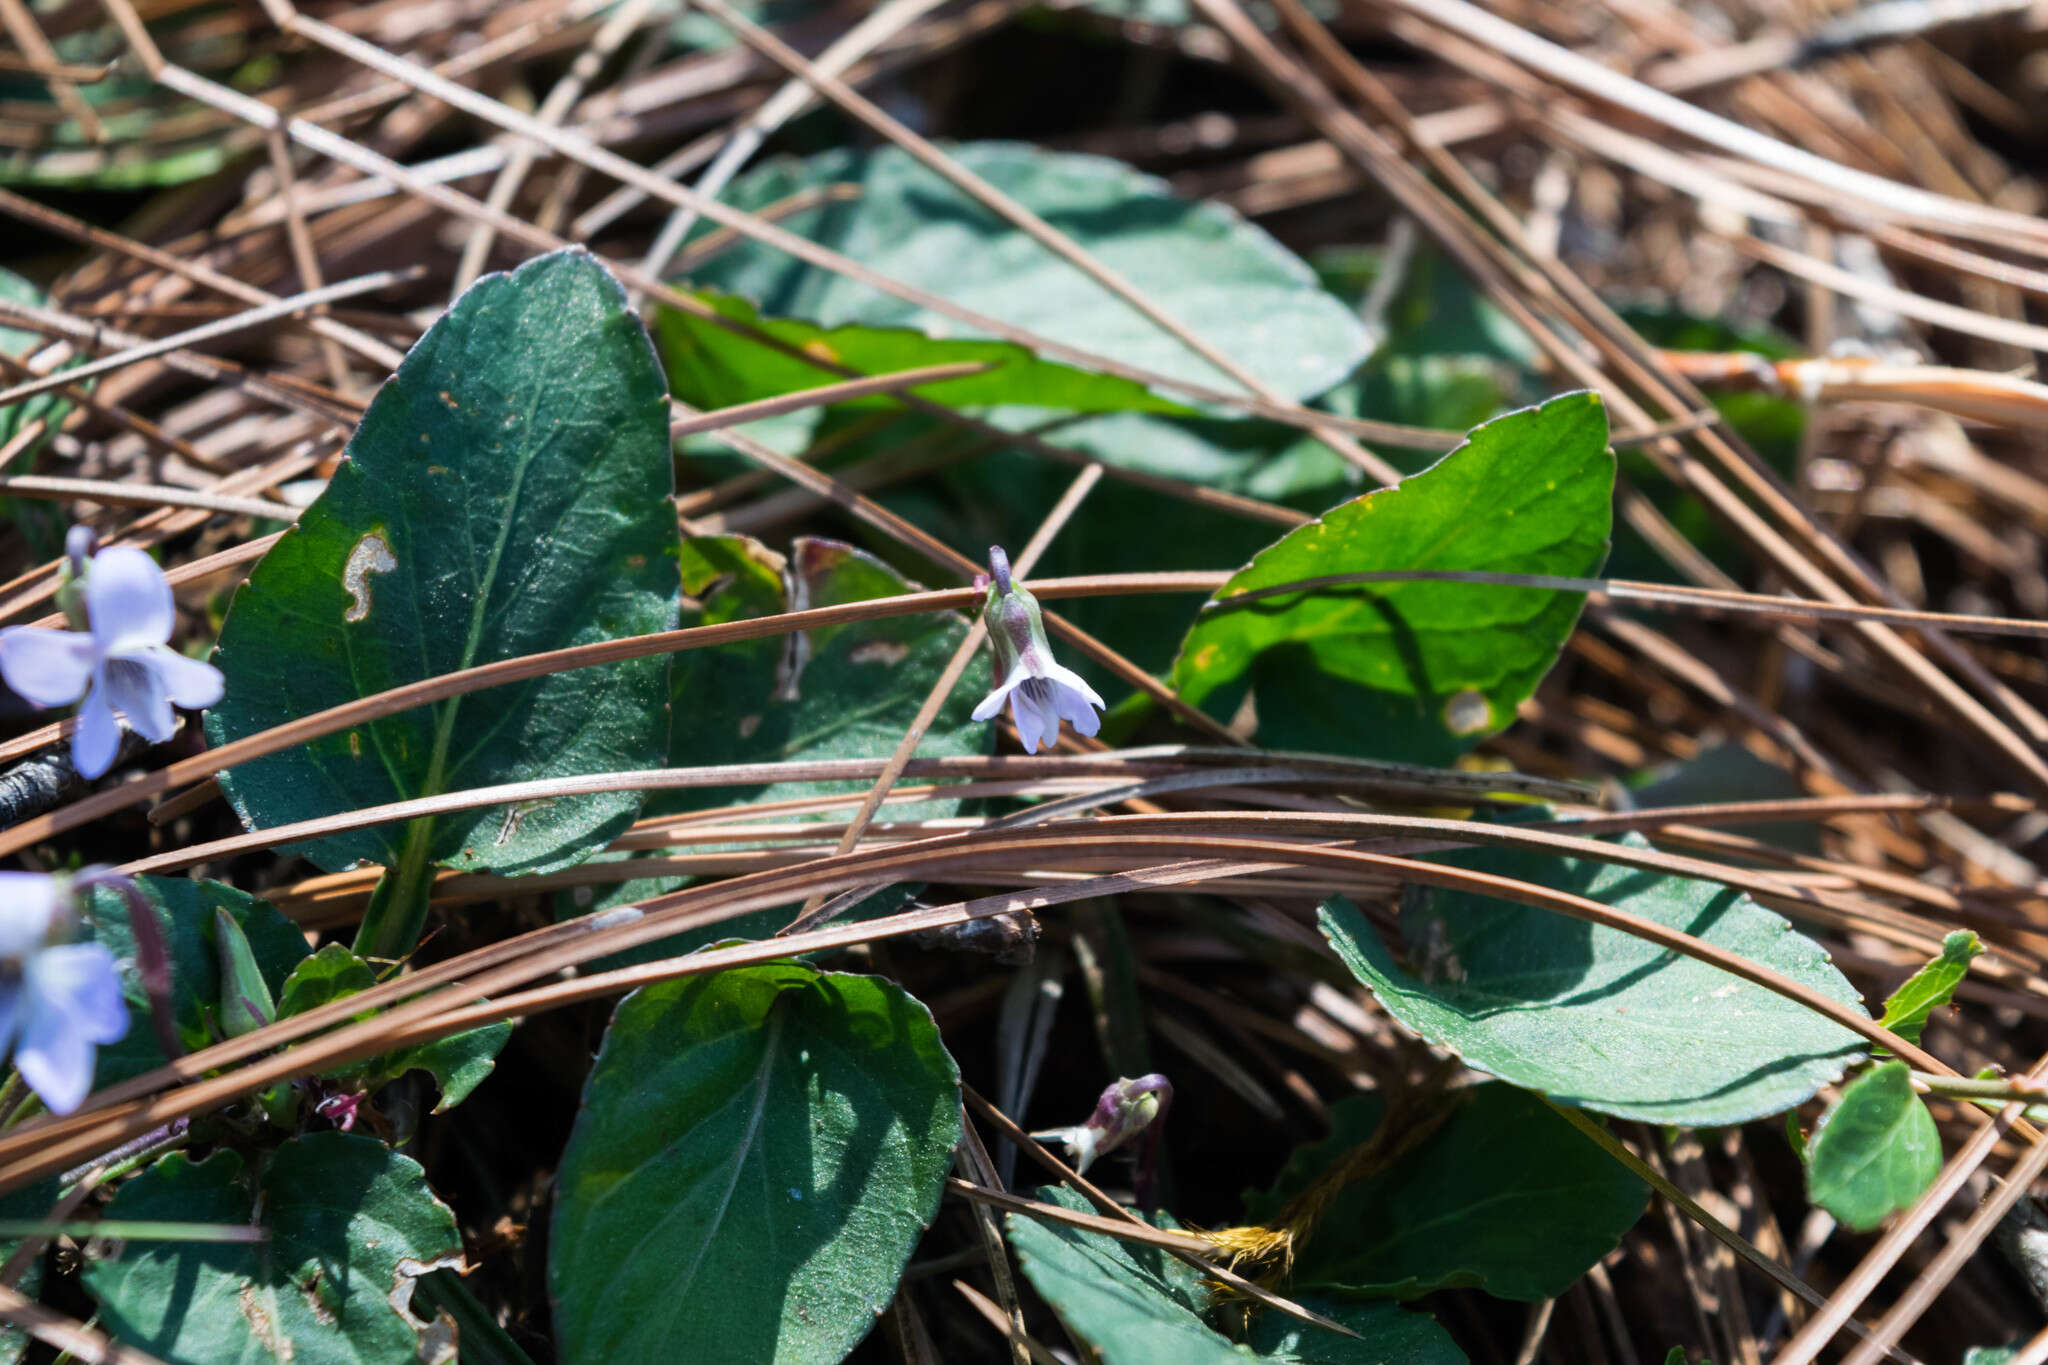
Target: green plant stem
[(1970, 1088), (397, 911)]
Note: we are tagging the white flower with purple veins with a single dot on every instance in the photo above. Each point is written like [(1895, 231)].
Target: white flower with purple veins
[(1040, 692), (59, 1001), (121, 661)]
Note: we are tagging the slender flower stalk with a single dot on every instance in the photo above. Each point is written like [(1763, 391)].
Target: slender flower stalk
[(59, 1000), (118, 658), (1039, 691)]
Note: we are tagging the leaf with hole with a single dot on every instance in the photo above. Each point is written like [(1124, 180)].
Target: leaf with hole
[(1876, 1151), (1416, 671), (351, 1225), (1596, 1017), (507, 493), (1207, 268), (1505, 1196), (757, 1153)]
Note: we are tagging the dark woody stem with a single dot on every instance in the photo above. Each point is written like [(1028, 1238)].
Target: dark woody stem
[(999, 568)]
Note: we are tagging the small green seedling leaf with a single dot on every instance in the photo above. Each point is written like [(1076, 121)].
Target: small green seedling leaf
[(1934, 985), (1410, 670), (458, 1063), (245, 1002), (1876, 1151), (757, 1153)]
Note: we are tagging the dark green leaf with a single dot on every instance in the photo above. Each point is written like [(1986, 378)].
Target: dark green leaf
[(1412, 670), (1205, 266), (1934, 985), (185, 915), (1387, 1335), (352, 1224), (331, 974), (458, 1063), (757, 1153), (1876, 1151), (506, 493), (1596, 1017), (245, 1000), (1135, 1304), (1505, 1196), (714, 367), (841, 692)]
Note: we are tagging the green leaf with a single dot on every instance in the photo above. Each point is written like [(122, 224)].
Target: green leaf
[(1598, 1018), (185, 913), (49, 407), (245, 1000), (757, 1153), (458, 1063), (1135, 1304), (713, 367), (331, 974), (841, 692), (1934, 985), (506, 493), (1205, 266), (352, 1224), (1875, 1152), (1387, 1335), (1417, 671), (1506, 1196)]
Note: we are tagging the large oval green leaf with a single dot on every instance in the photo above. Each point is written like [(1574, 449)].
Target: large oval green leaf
[(351, 1226), (1505, 1196), (757, 1153), (507, 493), (1417, 671), (1598, 1018), (1206, 267)]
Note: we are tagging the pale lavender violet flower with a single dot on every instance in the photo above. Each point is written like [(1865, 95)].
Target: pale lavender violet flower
[(1040, 692), (123, 661), (59, 1001)]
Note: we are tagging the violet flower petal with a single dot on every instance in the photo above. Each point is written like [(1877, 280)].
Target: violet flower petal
[(46, 667), (98, 736), (135, 686), (127, 601), (188, 682)]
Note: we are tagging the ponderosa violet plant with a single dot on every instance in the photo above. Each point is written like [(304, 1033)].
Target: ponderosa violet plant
[(621, 932)]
